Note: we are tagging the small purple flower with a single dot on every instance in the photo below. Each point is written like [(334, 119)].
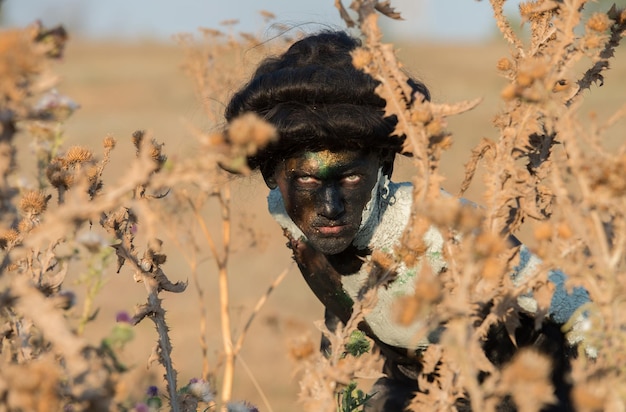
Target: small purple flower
[(141, 407), (152, 391), (123, 317)]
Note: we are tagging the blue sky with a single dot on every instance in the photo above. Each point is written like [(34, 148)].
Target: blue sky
[(453, 20)]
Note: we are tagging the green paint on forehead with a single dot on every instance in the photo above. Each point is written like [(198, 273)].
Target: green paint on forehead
[(325, 161)]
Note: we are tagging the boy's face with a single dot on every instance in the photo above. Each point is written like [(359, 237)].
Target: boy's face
[(325, 193)]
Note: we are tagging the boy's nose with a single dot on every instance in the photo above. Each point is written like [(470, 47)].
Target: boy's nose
[(331, 202)]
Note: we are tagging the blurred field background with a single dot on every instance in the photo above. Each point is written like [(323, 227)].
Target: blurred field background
[(123, 87)]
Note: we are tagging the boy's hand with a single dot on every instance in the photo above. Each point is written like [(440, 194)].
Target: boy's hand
[(323, 275)]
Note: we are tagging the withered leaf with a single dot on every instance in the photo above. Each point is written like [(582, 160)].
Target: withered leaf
[(451, 109), (386, 9), (343, 13)]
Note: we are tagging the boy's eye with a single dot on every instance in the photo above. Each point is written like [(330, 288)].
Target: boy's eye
[(306, 179), (352, 179)]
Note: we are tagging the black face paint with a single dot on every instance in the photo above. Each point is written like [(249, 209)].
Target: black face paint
[(325, 193)]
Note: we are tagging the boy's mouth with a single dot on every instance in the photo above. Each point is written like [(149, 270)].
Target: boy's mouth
[(331, 230)]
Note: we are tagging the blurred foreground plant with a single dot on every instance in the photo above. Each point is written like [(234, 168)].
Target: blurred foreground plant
[(546, 166), (44, 241)]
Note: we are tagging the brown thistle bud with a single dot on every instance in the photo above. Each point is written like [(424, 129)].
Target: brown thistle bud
[(598, 22), (58, 175), (538, 70), (109, 142), (526, 9), (301, 348), (33, 203), (137, 138), (509, 92), (78, 154), (93, 173), (488, 244), (8, 238), (564, 231), (543, 231), (504, 64), (421, 115), (525, 79), (592, 41), (251, 132)]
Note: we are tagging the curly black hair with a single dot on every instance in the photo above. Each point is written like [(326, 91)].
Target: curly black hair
[(317, 100)]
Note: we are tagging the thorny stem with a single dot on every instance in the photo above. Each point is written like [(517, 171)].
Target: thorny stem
[(157, 315), (505, 27)]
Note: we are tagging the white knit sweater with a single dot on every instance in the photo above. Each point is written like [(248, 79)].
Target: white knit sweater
[(383, 222)]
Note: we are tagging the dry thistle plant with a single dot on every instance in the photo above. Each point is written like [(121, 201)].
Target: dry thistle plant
[(44, 240), (546, 167)]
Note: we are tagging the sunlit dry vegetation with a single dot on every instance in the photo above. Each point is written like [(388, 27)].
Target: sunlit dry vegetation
[(545, 172)]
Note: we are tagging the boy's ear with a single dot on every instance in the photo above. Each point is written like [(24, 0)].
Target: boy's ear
[(386, 162), (268, 177)]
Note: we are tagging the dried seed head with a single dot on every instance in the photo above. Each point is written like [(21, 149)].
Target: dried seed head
[(109, 142), (251, 132), (527, 376), (493, 268), (526, 8), (524, 79), (201, 390), (137, 138), (93, 173), (504, 64), (538, 69), (78, 154), (8, 238), (58, 175), (156, 153), (436, 126), (33, 202), (590, 397), (564, 231), (421, 114), (488, 244), (509, 92), (301, 348), (543, 231), (598, 22), (592, 41)]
